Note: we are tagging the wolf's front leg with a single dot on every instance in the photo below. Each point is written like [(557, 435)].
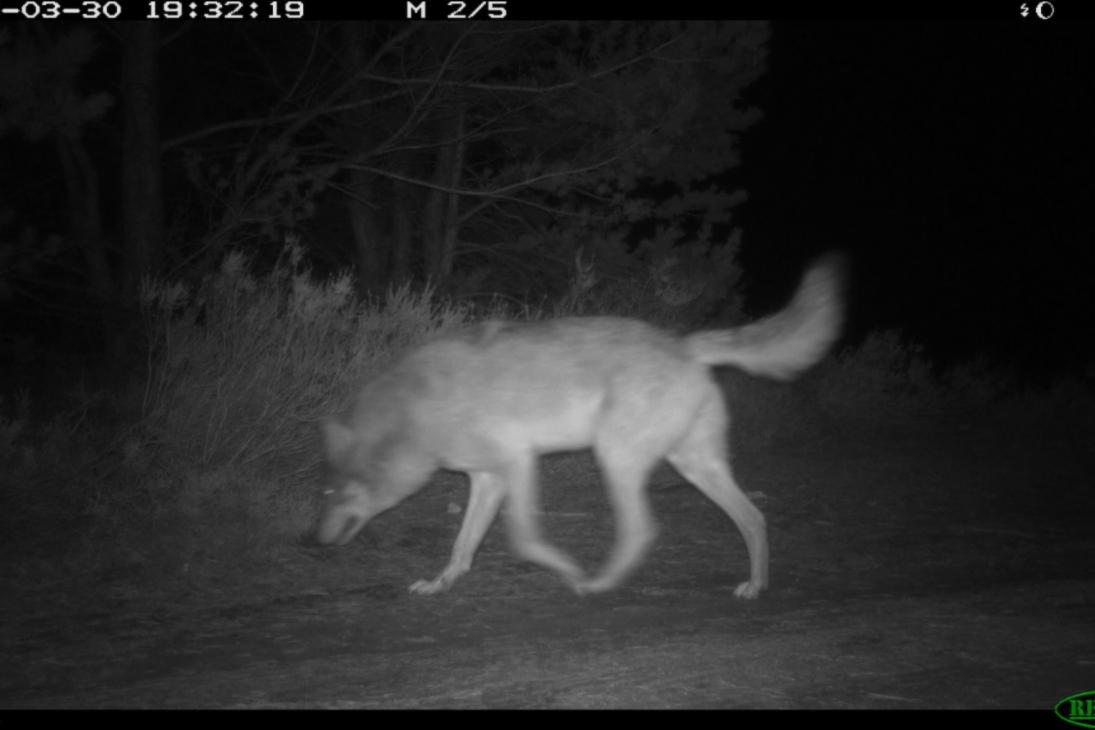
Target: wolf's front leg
[(487, 491)]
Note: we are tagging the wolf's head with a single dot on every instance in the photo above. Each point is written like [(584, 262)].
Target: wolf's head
[(366, 475), (347, 509)]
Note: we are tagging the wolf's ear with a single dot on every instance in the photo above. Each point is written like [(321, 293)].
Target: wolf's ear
[(336, 438)]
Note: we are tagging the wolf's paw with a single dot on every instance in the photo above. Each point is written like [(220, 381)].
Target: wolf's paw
[(429, 587), (748, 590), (589, 586)]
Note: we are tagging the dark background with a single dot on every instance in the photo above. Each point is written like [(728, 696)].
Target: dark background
[(954, 160), (951, 159)]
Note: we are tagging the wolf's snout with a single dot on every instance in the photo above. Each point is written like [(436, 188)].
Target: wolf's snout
[(338, 528)]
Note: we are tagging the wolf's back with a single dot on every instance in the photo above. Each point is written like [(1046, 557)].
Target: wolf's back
[(788, 342)]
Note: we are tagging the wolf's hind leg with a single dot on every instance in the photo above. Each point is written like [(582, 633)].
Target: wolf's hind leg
[(522, 516), (626, 473), (701, 459)]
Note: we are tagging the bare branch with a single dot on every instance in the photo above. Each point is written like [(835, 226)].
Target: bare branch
[(412, 116), (498, 192), (494, 195), (302, 118), (519, 88)]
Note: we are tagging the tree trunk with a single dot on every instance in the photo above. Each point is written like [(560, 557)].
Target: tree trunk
[(372, 261), (142, 189), (442, 207), (364, 188), (85, 225), (452, 204), (402, 231)]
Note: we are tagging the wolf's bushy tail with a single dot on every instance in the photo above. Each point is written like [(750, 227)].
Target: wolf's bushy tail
[(788, 342)]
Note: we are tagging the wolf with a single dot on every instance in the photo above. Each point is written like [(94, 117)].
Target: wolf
[(492, 397)]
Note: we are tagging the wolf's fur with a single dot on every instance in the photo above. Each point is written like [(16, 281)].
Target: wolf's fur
[(492, 397)]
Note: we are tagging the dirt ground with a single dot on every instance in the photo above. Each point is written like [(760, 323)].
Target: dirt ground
[(941, 568)]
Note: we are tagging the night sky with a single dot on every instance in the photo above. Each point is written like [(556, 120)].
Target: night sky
[(953, 160)]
